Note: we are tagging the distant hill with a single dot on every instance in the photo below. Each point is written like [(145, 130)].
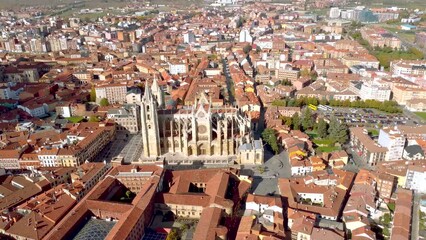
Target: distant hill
[(4, 4)]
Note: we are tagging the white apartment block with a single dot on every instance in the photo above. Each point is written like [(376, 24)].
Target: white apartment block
[(177, 68), (394, 141), (245, 36), (334, 12), (48, 157), (416, 179), (374, 90)]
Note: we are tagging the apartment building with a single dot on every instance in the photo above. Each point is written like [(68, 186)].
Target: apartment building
[(360, 59), (386, 185), (375, 90), (365, 147), (114, 92), (19, 189), (416, 178), (379, 37), (403, 95), (408, 67), (134, 96), (361, 203), (392, 139), (289, 74)]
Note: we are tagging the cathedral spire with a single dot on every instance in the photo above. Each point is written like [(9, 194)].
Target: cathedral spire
[(157, 92), (155, 87), (147, 93)]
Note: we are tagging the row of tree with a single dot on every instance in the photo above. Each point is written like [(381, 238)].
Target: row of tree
[(386, 106)]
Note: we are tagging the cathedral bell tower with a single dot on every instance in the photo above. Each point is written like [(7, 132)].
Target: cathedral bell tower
[(157, 93), (149, 124)]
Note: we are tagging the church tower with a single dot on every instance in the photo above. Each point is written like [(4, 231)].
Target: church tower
[(149, 125), (158, 93)]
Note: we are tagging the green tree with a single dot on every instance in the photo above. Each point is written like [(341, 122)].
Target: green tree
[(288, 121), (323, 101), (337, 132), (322, 128), (286, 82), (296, 121), (93, 95), (307, 119), (270, 138), (104, 102), (387, 219), (386, 232)]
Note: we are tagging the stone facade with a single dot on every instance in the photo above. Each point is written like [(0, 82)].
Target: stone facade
[(194, 130)]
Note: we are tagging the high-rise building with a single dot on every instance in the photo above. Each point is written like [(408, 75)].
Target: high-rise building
[(334, 12), (394, 141), (245, 36)]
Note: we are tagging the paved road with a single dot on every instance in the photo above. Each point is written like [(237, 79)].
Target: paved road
[(357, 161), (415, 217), (275, 166), (229, 82)]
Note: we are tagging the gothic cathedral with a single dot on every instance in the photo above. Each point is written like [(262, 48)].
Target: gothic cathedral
[(196, 131)]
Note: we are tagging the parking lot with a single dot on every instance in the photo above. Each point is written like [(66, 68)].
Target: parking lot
[(368, 117)]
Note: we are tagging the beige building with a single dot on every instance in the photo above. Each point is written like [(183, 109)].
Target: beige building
[(403, 95), (251, 153), (115, 93), (365, 147)]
